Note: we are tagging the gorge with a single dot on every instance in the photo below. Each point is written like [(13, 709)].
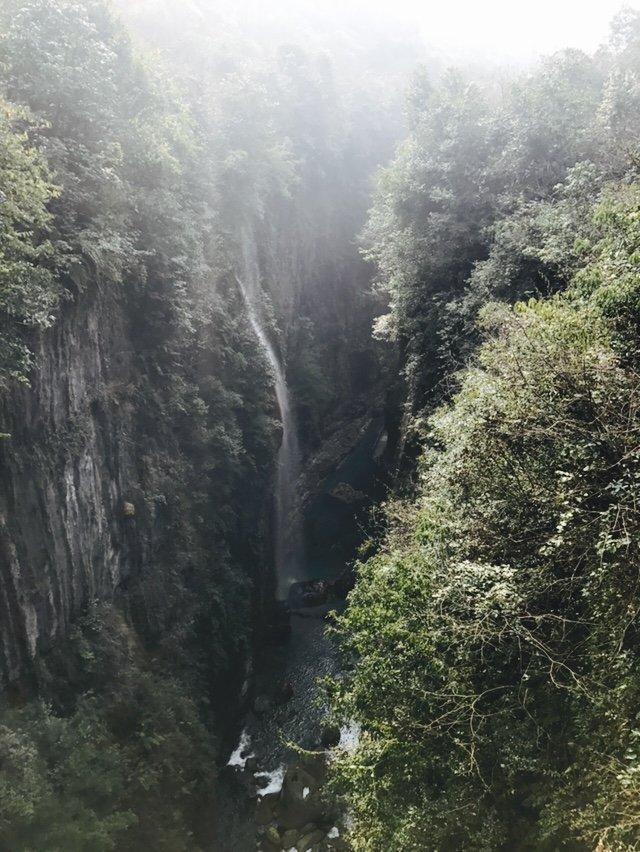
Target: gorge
[(319, 430), (172, 333)]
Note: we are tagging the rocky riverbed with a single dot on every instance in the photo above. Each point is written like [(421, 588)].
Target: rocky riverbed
[(293, 811), (274, 781)]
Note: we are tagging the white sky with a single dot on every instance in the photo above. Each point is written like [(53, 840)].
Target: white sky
[(512, 27), (499, 29)]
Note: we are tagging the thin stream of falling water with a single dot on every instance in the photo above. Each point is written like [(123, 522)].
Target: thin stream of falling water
[(309, 657), (289, 541)]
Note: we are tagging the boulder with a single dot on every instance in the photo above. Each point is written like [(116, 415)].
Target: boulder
[(300, 803), (308, 841), (347, 494), (273, 835), (290, 838), (330, 736), (308, 593), (298, 785)]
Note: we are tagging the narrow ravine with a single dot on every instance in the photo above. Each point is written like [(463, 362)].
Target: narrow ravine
[(273, 778), (273, 793), (319, 426)]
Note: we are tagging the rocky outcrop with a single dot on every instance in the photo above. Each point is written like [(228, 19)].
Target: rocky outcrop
[(83, 508), (68, 469)]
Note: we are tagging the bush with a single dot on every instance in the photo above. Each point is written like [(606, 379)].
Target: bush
[(493, 640), (127, 765)]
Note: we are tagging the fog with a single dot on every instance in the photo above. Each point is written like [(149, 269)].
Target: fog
[(512, 29), (495, 30)]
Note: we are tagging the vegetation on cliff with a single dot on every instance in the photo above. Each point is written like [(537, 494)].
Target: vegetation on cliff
[(108, 209), (28, 288), (129, 765), (138, 408), (491, 642)]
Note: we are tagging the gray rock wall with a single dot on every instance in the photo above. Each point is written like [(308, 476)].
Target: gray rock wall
[(66, 471)]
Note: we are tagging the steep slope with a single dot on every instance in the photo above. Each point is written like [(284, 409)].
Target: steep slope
[(491, 643), (135, 386)]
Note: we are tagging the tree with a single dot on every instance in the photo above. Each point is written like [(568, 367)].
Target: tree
[(28, 288)]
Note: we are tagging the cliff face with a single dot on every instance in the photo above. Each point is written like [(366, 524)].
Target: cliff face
[(91, 507), (110, 489), (65, 472), (140, 460)]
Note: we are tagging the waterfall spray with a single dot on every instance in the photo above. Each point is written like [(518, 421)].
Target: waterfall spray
[(289, 540)]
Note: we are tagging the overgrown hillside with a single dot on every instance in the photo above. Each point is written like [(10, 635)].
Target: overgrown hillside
[(138, 416), (491, 643), (138, 453)]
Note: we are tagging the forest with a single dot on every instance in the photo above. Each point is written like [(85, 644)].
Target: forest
[(319, 434)]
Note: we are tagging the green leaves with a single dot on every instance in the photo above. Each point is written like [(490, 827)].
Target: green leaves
[(492, 643), (100, 777), (28, 289)]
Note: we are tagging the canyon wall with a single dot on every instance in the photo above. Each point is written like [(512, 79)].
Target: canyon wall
[(97, 497)]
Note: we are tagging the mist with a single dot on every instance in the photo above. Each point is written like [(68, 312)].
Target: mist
[(319, 426), (496, 32)]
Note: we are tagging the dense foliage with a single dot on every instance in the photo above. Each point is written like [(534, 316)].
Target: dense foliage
[(457, 215), (28, 289), (109, 206), (128, 766), (491, 642), (130, 199)]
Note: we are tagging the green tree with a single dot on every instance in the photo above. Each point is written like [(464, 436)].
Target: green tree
[(28, 289), (492, 642)]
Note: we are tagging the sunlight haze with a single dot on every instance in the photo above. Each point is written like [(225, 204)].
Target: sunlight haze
[(319, 425), (517, 29), (501, 27)]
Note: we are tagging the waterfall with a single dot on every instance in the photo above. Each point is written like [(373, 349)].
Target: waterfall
[(288, 538)]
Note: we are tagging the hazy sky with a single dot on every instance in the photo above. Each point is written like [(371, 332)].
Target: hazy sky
[(507, 28), (512, 26), (502, 29)]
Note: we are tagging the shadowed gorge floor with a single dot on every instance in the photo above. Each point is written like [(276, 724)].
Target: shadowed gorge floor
[(267, 757)]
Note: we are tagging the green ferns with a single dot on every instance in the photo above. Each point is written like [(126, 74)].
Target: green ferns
[(493, 641)]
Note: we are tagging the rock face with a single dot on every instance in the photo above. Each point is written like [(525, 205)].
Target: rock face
[(83, 509), (65, 474), (347, 493)]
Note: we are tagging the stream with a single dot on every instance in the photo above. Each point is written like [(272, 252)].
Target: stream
[(263, 744), (263, 753), (270, 794)]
